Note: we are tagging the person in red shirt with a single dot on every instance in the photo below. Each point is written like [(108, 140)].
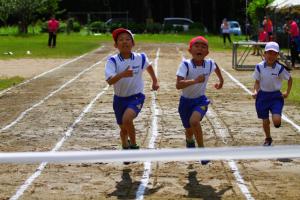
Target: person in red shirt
[(268, 27), (53, 26), (294, 39), (262, 37)]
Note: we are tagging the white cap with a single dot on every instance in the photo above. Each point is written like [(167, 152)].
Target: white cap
[(272, 46)]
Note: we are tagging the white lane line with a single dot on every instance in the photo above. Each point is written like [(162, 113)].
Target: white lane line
[(284, 117), (223, 133), (21, 116), (147, 165), (67, 134), (44, 73)]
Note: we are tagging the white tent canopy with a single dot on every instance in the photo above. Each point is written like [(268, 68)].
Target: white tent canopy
[(285, 6)]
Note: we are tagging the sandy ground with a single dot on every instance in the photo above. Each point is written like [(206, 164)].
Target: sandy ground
[(58, 103)]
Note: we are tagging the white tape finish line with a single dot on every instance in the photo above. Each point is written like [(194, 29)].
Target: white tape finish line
[(164, 155)]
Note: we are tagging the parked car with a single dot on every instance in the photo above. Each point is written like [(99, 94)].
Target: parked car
[(178, 22), (234, 28)]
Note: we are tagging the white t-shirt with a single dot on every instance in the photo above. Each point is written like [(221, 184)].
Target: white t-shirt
[(188, 70), (270, 77), (130, 85)]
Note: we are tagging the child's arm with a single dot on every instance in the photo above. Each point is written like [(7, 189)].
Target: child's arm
[(155, 84), (221, 80), (255, 89), (182, 83), (289, 87), (127, 73)]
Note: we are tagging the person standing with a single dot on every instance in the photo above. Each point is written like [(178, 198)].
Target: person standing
[(268, 76), (294, 39), (225, 31), (53, 26), (268, 27)]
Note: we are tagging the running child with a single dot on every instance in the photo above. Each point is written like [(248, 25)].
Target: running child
[(125, 72), (192, 78), (268, 76)]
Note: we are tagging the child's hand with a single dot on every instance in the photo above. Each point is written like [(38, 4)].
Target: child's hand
[(200, 79), (219, 85), (128, 72), (155, 86), (285, 95), (254, 95)]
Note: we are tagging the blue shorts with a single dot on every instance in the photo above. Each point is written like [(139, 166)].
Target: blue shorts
[(268, 101), (120, 104), (188, 106)]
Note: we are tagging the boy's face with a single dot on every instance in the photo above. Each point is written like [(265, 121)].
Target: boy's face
[(271, 56), (124, 43), (199, 50)]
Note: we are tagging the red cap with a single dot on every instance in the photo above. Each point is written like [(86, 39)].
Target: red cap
[(198, 39), (118, 31)]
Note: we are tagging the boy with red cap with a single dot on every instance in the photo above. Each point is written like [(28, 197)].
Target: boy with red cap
[(125, 72), (268, 76), (192, 78)]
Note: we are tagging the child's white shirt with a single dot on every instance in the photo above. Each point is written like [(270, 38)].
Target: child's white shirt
[(188, 70), (129, 85), (270, 77)]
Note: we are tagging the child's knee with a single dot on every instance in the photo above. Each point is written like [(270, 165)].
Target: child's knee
[(277, 125)]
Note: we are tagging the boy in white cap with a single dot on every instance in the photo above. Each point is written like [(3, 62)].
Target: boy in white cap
[(124, 71), (268, 76), (192, 78)]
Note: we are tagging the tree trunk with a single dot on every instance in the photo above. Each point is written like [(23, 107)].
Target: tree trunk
[(171, 8), (214, 16), (188, 9)]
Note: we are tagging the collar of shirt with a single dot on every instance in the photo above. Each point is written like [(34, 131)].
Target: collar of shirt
[(122, 59)]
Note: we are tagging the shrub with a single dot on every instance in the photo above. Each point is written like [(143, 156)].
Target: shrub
[(98, 27), (153, 28)]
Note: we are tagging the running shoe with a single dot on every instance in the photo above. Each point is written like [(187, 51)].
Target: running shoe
[(268, 141), (190, 144)]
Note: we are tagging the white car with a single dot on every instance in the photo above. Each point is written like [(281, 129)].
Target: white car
[(234, 28), (177, 21)]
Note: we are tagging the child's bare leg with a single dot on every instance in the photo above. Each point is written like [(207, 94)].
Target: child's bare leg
[(266, 127), (124, 136), (127, 123), (276, 120), (195, 125), (189, 134)]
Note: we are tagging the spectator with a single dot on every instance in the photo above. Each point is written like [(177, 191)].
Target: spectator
[(294, 39), (53, 26), (262, 37), (268, 27), (225, 31)]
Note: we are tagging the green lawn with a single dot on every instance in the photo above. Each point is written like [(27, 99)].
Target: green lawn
[(295, 94), (77, 44), (8, 82)]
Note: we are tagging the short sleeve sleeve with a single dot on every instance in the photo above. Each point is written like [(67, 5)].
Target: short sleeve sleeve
[(110, 69), (182, 70), (256, 73), (145, 61), (285, 75)]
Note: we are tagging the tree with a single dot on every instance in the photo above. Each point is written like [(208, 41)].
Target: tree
[(5, 10), (26, 11), (256, 10)]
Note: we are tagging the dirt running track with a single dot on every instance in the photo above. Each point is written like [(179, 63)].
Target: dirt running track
[(52, 104)]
